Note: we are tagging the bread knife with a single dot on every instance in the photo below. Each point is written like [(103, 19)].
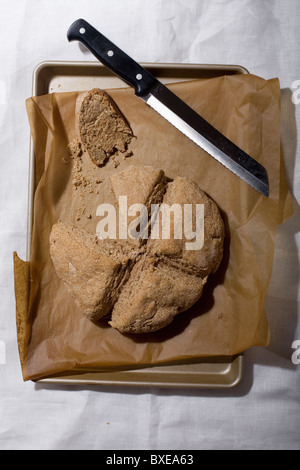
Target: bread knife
[(171, 107)]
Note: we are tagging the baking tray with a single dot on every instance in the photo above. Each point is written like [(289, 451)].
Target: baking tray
[(211, 372)]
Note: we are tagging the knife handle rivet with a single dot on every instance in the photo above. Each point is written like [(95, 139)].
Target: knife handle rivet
[(110, 53), (139, 76), (82, 30)]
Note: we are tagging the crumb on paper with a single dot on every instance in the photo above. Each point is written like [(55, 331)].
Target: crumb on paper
[(75, 148), (65, 160), (79, 213), (117, 158), (76, 152), (128, 154)]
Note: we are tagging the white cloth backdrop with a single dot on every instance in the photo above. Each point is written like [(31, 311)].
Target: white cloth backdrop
[(263, 411)]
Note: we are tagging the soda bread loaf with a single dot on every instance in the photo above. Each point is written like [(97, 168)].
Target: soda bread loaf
[(141, 286), (101, 126)]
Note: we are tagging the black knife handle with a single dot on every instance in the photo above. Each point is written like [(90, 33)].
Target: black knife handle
[(111, 56)]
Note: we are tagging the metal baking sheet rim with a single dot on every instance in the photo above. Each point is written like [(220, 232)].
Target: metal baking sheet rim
[(144, 376)]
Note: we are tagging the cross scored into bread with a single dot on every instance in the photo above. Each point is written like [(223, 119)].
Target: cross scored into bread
[(139, 285)]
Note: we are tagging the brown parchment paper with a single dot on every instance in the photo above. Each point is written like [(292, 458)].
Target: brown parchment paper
[(53, 335)]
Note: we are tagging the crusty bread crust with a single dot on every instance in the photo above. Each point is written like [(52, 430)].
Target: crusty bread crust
[(93, 273)]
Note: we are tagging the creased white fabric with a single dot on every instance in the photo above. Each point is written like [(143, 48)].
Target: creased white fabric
[(263, 412)]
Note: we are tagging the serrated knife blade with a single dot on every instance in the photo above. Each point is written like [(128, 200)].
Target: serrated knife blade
[(171, 107)]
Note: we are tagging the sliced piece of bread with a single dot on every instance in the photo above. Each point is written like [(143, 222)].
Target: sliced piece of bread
[(101, 126)]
